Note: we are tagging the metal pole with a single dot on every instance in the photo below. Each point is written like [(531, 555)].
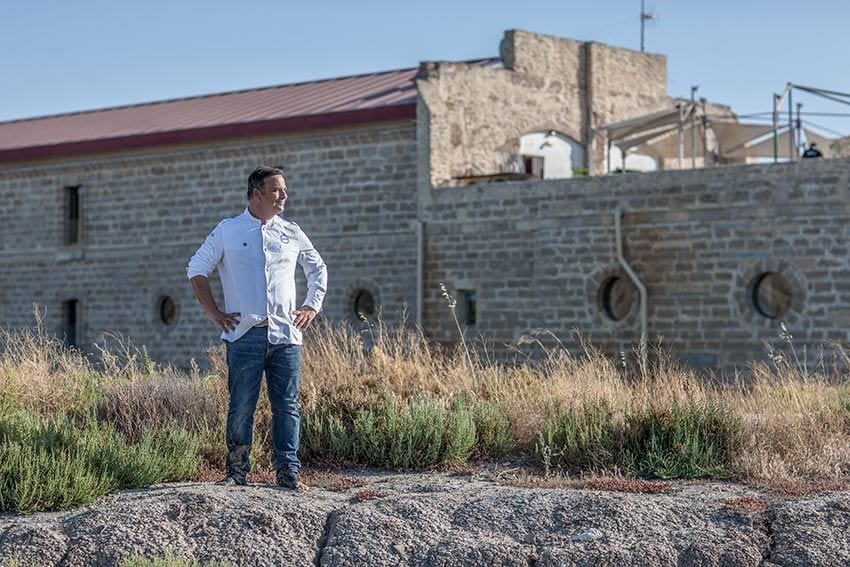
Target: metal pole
[(420, 270), (775, 128), (680, 132), (799, 129), (791, 155), (608, 158), (694, 127), (704, 133), (642, 21), (618, 235)]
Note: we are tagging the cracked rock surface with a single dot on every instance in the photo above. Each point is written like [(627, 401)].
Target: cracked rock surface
[(439, 519)]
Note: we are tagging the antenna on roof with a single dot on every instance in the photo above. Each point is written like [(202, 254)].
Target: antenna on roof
[(646, 17)]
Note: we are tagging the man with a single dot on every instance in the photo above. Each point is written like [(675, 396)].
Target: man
[(812, 151), (256, 254)]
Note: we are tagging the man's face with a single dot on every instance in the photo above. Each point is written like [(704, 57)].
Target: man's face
[(271, 197)]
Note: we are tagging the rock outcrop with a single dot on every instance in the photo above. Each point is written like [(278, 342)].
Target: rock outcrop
[(439, 519)]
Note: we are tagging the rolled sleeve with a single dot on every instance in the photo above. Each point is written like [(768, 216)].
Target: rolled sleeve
[(207, 257), (315, 271)]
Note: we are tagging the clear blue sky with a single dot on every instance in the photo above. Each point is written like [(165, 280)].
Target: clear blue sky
[(60, 56)]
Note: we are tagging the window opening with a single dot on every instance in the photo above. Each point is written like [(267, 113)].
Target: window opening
[(469, 306), (70, 321), (771, 295), (364, 304), (167, 310), (617, 297), (72, 215)]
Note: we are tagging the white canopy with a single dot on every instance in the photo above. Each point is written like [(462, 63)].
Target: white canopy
[(657, 135)]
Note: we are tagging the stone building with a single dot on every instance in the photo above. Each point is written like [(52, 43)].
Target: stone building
[(408, 179)]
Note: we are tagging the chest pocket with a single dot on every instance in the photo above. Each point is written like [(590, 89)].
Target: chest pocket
[(244, 250), (282, 248)]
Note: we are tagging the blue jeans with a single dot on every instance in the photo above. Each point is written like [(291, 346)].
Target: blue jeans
[(247, 358)]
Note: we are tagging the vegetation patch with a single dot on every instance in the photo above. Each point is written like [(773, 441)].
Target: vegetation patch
[(74, 427)]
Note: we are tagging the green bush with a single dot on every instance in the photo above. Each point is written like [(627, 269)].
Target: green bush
[(692, 440), (492, 429), (390, 433), (59, 463), (695, 440), (459, 433), (324, 436), (580, 439)]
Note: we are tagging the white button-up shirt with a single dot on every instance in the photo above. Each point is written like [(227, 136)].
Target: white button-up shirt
[(256, 263)]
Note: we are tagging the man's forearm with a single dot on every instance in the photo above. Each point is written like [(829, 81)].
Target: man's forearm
[(201, 287), (224, 321)]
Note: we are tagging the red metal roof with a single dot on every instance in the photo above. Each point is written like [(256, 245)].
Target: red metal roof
[(340, 101)]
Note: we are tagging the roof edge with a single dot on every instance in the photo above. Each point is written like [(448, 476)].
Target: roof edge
[(210, 133)]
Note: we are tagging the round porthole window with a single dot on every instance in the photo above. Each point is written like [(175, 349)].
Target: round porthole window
[(167, 310), (617, 295), (364, 304), (771, 295)]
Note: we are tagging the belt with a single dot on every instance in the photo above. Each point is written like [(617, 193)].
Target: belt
[(263, 323)]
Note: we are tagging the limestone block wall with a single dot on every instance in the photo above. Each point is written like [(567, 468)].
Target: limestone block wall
[(538, 253), (477, 113), (145, 213)]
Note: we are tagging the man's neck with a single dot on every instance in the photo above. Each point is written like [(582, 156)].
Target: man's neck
[(256, 215)]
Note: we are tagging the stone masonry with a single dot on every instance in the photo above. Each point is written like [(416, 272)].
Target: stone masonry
[(145, 214), (476, 114), (538, 253)]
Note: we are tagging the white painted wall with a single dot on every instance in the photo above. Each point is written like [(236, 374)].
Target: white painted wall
[(560, 153), (634, 161)]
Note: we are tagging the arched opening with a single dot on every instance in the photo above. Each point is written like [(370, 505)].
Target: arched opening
[(550, 155)]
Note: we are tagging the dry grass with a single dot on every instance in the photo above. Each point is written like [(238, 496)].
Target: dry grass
[(795, 423), (794, 420)]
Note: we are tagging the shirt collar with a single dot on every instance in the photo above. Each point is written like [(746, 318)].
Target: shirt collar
[(247, 216)]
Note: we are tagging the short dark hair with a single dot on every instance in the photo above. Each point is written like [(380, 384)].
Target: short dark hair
[(258, 177)]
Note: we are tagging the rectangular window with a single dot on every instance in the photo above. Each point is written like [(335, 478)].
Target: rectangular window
[(70, 322), (534, 165), (72, 215), (469, 307)]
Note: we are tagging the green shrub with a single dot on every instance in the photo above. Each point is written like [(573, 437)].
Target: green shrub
[(492, 429), (396, 434), (579, 439), (691, 440), (695, 440), (389, 432), (324, 436), (460, 433), (59, 463)]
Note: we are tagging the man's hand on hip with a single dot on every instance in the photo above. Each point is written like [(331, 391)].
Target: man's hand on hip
[(304, 316), (224, 321)]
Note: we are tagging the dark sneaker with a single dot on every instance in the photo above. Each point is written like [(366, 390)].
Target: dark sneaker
[(231, 481), (288, 479)]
